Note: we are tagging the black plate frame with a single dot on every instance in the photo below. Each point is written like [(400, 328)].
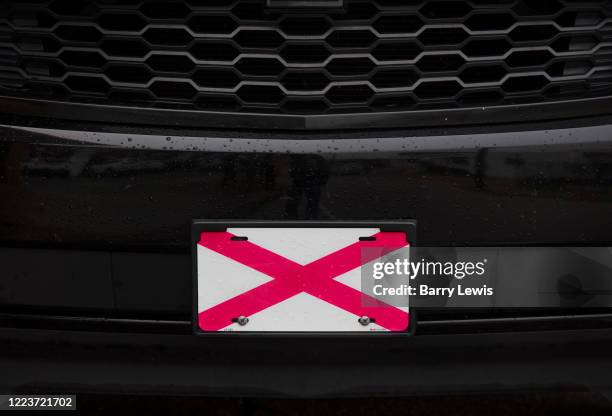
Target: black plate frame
[(406, 226)]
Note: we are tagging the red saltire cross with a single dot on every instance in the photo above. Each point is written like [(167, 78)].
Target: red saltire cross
[(291, 278)]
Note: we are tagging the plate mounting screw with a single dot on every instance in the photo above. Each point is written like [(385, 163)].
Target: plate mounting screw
[(364, 320), (242, 320)]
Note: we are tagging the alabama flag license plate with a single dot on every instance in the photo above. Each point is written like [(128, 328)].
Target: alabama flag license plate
[(276, 277)]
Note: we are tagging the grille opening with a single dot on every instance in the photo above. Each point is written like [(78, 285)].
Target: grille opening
[(53, 91), (170, 63), (121, 2), (11, 79), (396, 51), (260, 66), (356, 11), (219, 102), (574, 43), (350, 66), (129, 74), (395, 78), (299, 53), (213, 24), (398, 24), (164, 10), (211, 3), (529, 58), (92, 85), (486, 47), (571, 68), (8, 56), (533, 33), (538, 8), (601, 79), (260, 94), (173, 90), (299, 81), (569, 90), (349, 94), (45, 69), (125, 48), (489, 22), (78, 33), (252, 11), (579, 19), (122, 22), (40, 44), (485, 73), (351, 39), (303, 26), (35, 20), (167, 37), (445, 9), (216, 78), (371, 56), (440, 63), (430, 89), (301, 106), (127, 96), (524, 84), (445, 36), (214, 51), (73, 8), (259, 39), (82, 58)]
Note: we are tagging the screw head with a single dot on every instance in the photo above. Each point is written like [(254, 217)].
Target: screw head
[(242, 320), (364, 320)]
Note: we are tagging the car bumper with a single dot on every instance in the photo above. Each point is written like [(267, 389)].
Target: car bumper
[(89, 362), (96, 229)]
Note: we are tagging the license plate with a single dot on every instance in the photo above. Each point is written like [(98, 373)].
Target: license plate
[(274, 277)]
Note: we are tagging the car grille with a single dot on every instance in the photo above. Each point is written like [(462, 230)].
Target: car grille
[(367, 57)]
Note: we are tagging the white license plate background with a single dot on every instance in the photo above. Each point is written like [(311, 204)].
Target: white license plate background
[(220, 278)]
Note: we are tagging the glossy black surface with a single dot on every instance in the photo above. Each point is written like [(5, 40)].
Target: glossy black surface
[(139, 193), (93, 199)]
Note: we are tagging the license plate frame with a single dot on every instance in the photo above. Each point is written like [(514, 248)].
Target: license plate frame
[(198, 226)]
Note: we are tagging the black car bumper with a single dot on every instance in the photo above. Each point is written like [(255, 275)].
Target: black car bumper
[(92, 215), (88, 362)]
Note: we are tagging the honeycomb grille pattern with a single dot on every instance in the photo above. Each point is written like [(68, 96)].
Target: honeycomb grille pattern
[(370, 56)]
